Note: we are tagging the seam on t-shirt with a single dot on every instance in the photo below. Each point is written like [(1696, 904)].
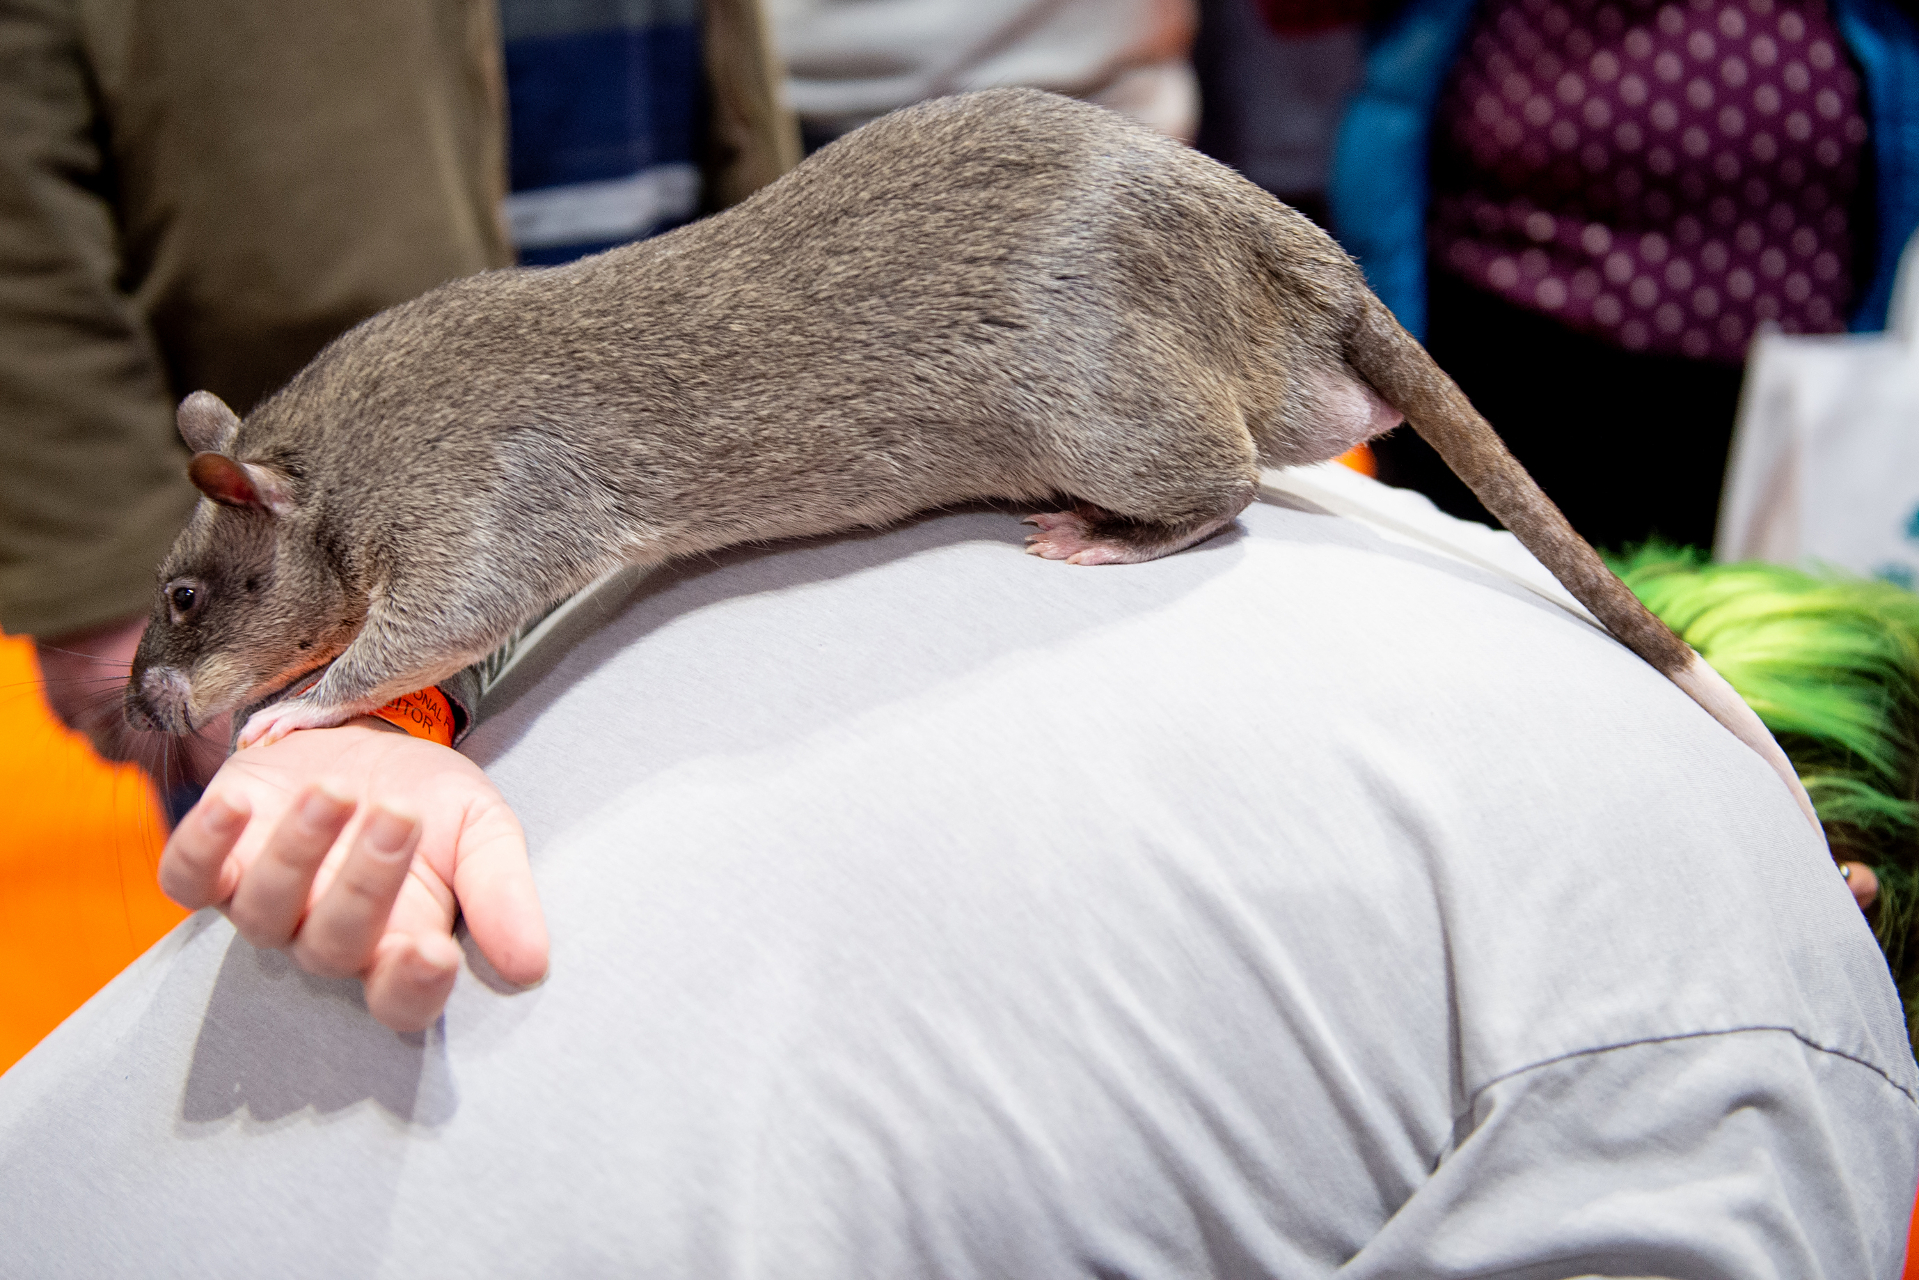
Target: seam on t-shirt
[(1331, 487), (1877, 1070)]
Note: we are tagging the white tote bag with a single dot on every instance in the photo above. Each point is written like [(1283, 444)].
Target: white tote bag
[(1825, 458)]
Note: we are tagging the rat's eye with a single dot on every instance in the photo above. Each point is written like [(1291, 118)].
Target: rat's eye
[(185, 596)]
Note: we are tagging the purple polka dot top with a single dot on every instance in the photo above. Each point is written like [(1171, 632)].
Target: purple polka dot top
[(1663, 175)]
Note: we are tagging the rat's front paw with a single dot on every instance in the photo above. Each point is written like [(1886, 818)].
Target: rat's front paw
[(270, 724)]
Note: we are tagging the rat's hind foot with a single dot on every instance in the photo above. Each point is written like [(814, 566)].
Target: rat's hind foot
[(1069, 536), (1092, 535)]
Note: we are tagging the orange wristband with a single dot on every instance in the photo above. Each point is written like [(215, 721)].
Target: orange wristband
[(426, 714)]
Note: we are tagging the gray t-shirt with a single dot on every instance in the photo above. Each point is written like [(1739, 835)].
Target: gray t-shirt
[(1307, 903)]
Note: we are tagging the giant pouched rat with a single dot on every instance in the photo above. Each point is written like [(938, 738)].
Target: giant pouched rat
[(1004, 294)]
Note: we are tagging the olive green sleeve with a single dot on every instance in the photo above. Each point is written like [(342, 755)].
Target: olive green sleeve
[(92, 479), (285, 169), (200, 194)]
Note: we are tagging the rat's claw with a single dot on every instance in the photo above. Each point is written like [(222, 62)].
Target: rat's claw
[(258, 725), (1063, 535)]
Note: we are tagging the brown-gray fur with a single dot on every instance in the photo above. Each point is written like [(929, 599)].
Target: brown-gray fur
[(1005, 294)]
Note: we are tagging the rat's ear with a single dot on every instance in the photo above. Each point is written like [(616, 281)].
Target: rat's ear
[(239, 484), (206, 424)]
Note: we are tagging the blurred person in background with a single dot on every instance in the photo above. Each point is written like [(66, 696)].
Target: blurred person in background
[(1587, 207), (851, 61), (1274, 76), (631, 118), (200, 196)]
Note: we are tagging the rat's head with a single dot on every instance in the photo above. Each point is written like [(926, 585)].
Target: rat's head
[(246, 603)]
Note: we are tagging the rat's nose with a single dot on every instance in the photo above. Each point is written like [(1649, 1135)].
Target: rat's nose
[(157, 700), (136, 711)]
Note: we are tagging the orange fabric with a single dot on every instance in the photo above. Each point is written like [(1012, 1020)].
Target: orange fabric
[(1912, 1248), (1360, 459), (425, 714), (79, 845)]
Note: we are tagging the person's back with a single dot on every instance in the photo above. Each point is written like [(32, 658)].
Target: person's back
[(1306, 901)]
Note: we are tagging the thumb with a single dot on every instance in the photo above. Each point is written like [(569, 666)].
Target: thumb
[(494, 883)]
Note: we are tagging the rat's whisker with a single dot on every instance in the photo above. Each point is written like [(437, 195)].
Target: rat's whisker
[(90, 657), (68, 682)]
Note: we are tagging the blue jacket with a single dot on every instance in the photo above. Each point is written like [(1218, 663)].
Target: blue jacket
[(1379, 190)]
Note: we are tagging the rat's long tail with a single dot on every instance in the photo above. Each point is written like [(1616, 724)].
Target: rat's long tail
[(1400, 370)]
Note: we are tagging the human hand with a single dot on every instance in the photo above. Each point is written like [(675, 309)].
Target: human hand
[(352, 848)]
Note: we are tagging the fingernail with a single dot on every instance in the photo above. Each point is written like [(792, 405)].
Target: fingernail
[(433, 959), (388, 832), (222, 817), (323, 805)]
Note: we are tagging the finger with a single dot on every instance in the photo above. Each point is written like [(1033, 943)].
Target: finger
[(411, 978), (196, 867), (338, 935), (273, 893), (1862, 881), (495, 887)]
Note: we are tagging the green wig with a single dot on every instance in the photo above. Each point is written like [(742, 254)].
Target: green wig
[(1831, 664)]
